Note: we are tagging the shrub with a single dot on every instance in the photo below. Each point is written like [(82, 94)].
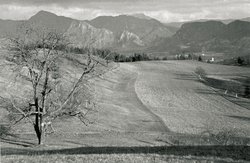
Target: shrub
[(200, 59), (240, 60), (201, 72), (165, 58)]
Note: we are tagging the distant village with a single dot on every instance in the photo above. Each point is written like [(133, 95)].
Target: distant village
[(198, 56)]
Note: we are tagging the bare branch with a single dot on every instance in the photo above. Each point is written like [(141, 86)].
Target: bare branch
[(24, 115), (74, 88)]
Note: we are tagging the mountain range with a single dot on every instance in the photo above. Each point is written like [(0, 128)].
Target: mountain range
[(128, 33), (120, 32), (232, 39), (225, 21)]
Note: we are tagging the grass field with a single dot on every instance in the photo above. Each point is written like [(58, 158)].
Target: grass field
[(147, 104), (115, 158), (186, 105), (131, 154)]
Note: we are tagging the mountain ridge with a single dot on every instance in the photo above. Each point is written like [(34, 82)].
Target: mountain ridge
[(128, 32), (51, 20), (139, 32), (230, 39)]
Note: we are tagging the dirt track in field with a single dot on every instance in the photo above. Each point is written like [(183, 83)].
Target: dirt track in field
[(123, 109), (163, 97)]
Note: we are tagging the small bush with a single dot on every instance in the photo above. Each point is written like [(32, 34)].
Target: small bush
[(240, 60), (165, 58), (200, 58), (201, 72)]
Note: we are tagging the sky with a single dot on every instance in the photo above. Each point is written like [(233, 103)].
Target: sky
[(163, 10)]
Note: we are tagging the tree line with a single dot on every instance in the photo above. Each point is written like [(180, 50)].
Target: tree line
[(114, 56)]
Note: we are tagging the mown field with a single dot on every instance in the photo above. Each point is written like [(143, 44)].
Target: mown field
[(146, 104), (186, 105)]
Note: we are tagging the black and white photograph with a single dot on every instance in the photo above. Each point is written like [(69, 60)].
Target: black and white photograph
[(124, 81)]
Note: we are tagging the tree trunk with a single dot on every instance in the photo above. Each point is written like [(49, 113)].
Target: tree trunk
[(38, 133), (39, 126), (39, 129)]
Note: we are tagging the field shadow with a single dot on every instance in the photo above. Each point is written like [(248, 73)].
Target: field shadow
[(243, 79), (231, 86), (185, 76), (17, 142), (205, 91), (241, 118), (243, 102), (235, 152)]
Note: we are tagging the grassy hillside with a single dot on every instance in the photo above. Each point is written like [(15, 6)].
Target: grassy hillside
[(147, 111)]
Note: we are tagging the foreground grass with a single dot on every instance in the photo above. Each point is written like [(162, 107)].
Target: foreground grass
[(112, 158), (128, 154)]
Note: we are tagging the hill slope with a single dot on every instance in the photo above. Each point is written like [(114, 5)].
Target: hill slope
[(199, 31), (83, 34)]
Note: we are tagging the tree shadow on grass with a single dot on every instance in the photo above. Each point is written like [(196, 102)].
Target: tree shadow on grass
[(234, 152)]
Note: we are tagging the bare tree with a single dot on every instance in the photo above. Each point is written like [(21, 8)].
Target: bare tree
[(38, 52)]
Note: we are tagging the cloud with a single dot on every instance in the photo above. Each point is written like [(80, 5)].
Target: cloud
[(164, 10), (15, 12)]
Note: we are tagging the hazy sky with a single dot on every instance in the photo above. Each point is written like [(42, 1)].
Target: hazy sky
[(163, 10)]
